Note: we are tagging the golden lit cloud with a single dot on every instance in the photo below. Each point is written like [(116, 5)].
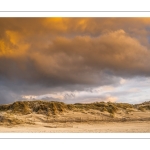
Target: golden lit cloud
[(73, 52)]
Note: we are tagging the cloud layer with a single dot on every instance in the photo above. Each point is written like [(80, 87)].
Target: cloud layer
[(44, 55)]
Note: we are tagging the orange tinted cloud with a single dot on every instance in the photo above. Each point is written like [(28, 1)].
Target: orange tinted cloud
[(62, 52)]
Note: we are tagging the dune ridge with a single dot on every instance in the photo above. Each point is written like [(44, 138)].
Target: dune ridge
[(52, 114)]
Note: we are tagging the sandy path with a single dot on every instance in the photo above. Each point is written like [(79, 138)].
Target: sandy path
[(91, 127)]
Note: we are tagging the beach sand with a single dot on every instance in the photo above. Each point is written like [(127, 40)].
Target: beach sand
[(80, 122)]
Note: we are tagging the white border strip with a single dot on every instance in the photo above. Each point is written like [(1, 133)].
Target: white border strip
[(74, 14), (75, 135)]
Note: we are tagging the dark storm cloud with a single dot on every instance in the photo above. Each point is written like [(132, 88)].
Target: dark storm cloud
[(80, 60), (38, 55)]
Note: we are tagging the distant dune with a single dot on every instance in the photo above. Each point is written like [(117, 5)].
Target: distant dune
[(24, 116)]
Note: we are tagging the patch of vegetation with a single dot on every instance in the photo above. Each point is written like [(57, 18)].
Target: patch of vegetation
[(147, 107), (141, 108), (112, 109), (20, 107), (54, 108), (70, 106), (124, 105), (144, 106)]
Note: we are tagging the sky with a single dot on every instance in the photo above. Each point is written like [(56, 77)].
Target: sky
[(75, 60)]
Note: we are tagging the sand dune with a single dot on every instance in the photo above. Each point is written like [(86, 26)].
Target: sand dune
[(43, 116)]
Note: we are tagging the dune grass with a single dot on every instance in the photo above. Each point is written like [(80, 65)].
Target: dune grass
[(54, 108)]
